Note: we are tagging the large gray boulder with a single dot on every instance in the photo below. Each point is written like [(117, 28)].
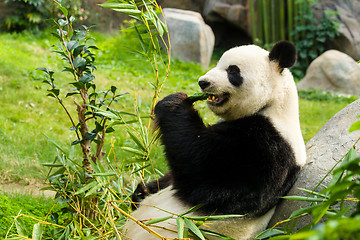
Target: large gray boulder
[(233, 12), (327, 147), (333, 71), (191, 39), (348, 16), (230, 21)]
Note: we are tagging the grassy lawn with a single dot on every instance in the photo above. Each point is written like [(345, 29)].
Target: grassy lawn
[(14, 204), (28, 115)]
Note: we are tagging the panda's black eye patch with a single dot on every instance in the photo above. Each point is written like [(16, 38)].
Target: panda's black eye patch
[(234, 75)]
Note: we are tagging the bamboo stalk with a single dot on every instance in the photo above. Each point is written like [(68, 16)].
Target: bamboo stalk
[(273, 18), (282, 20), (137, 221), (260, 23), (253, 19), (290, 18), (266, 21)]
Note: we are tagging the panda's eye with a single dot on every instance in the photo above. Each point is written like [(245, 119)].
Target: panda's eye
[(233, 69), (234, 75)]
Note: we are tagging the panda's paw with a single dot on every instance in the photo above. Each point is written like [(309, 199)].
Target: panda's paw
[(171, 102), (139, 194)]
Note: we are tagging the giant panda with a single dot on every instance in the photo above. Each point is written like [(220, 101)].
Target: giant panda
[(244, 163)]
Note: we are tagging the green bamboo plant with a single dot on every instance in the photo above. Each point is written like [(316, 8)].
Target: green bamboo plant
[(95, 190), (274, 20), (293, 20), (94, 187)]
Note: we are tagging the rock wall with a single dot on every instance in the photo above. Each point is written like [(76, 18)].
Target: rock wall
[(327, 147), (349, 15)]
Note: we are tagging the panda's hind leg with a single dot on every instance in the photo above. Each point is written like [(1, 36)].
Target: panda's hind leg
[(144, 190)]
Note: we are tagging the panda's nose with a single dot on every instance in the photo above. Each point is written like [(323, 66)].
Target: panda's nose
[(203, 83)]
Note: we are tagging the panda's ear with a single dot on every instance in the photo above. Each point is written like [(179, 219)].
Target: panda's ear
[(284, 53)]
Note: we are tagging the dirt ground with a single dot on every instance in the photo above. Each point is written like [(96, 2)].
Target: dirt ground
[(32, 190)]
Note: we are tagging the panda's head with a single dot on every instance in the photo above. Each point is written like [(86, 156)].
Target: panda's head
[(248, 79)]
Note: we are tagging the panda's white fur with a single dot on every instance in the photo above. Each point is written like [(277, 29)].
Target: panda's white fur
[(164, 202), (267, 90), (278, 92)]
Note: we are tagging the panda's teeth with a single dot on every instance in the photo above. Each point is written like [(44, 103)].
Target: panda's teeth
[(212, 98)]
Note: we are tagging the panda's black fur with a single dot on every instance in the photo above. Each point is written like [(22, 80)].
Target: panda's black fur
[(235, 167), (145, 189), (242, 166)]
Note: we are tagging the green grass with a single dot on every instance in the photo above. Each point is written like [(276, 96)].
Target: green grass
[(314, 114), (27, 114), (13, 204)]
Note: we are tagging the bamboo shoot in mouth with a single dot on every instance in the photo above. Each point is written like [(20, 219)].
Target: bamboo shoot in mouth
[(199, 97)]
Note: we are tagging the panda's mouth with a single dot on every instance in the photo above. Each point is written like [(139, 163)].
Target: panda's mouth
[(217, 99)]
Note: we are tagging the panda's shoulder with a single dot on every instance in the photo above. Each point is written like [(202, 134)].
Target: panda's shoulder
[(254, 123), (256, 131)]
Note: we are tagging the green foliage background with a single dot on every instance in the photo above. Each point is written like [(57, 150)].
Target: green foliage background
[(29, 116)]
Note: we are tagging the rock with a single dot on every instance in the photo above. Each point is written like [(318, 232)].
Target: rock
[(348, 15), (230, 21), (193, 5), (333, 71), (233, 12), (191, 39), (327, 147)]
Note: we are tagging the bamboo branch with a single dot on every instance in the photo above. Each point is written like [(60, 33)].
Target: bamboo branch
[(137, 221)]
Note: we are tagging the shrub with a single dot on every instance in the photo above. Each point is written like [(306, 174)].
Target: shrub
[(30, 14), (311, 36)]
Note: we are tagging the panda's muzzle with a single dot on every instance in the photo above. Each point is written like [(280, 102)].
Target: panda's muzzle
[(214, 98), (217, 99)]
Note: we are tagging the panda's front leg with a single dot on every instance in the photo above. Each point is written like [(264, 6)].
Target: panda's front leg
[(180, 126), (176, 110)]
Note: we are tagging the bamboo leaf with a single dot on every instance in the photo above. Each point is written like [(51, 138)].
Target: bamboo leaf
[(133, 150), (217, 235), (319, 212), (113, 5), (157, 220), (37, 231), (139, 169), (20, 227), (86, 187), (269, 233), (137, 140), (56, 145), (214, 218), (306, 210), (306, 199), (312, 192), (180, 226), (93, 189), (194, 229), (193, 209), (106, 174), (302, 235), (51, 165), (135, 13)]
